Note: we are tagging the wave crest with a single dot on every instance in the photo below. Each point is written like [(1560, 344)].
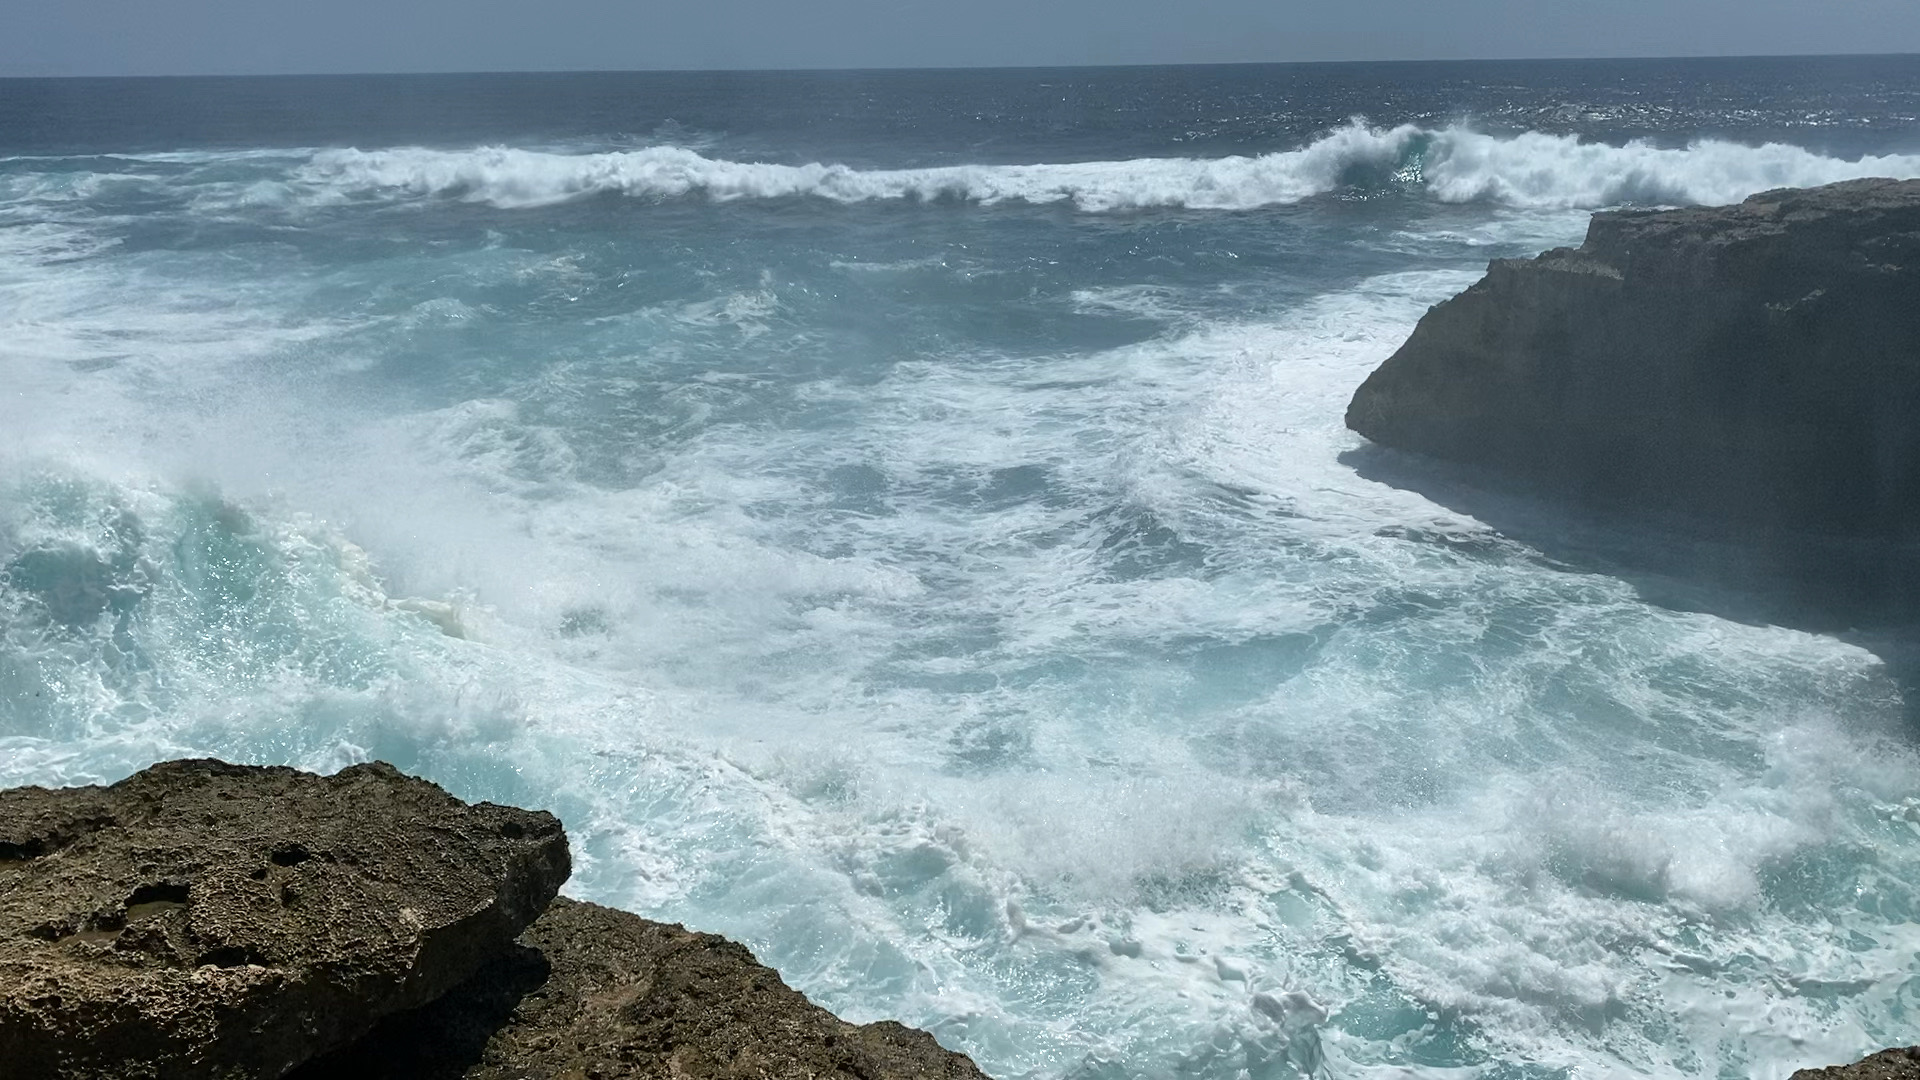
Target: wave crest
[(1533, 170)]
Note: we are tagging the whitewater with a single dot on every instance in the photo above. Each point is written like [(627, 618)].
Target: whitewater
[(1531, 170), (904, 522)]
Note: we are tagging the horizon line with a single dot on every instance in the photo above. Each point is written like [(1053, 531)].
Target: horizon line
[(881, 70)]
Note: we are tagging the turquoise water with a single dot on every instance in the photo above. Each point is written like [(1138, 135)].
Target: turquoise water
[(900, 521)]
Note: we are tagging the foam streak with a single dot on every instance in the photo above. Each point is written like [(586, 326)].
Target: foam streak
[(1533, 170)]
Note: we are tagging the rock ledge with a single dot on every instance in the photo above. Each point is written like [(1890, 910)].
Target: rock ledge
[(200, 919), (206, 920), (1754, 366)]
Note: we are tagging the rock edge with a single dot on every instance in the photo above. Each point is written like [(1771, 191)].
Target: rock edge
[(1755, 366), (207, 920)]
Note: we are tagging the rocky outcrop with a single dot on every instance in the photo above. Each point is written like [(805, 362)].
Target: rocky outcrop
[(1756, 367), (1885, 1065), (1744, 379), (201, 919), (597, 992)]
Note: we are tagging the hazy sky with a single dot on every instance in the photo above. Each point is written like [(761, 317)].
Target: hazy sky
[(113, 37)]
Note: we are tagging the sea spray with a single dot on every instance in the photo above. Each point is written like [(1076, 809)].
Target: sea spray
[(944, 571), (1532, 170)]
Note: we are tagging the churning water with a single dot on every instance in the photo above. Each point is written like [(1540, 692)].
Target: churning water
[(899, 520)]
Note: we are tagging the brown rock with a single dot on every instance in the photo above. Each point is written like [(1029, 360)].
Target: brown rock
[(594, 992), (1885, 1065), (200, 919)]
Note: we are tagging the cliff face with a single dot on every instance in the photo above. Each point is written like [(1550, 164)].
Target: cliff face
[(227, 922), (593, 992), (1753, 366), (200, 919), (1754, 369), (1885, 1065)]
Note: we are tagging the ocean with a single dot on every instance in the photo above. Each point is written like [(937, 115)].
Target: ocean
[(903, 521)]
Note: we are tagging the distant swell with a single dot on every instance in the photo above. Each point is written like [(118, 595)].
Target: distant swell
[(1533, 170)]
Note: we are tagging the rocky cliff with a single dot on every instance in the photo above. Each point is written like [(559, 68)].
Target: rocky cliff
[(1756, 367), (593, 992), (1739, 385), (201, 919), (206, 920), (1903, 1064)]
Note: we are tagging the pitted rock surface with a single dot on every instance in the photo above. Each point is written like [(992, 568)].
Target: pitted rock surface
[(201, 919), (593, 992), (1885, 1065)]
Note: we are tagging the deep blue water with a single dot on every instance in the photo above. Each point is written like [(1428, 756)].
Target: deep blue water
[(898, 519)]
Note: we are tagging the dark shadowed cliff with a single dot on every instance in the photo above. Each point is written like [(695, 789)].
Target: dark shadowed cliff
[(1720, 404), (1750, 373)]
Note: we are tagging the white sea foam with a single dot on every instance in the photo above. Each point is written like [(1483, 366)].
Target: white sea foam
[(1108, 848), (1297, 786), (1538, 170), (510, 177), (1532, 170)]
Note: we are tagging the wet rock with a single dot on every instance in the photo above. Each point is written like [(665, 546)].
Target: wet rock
[(593, 992), (1885, 1065), (1756, 366), (209, 920), (201, 919)]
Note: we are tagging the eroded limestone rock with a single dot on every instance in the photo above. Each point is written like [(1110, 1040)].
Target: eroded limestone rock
[(1885, 1065), (593, 992), (200, 919)]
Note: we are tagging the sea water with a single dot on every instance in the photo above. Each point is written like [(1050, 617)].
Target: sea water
[(903, 521)]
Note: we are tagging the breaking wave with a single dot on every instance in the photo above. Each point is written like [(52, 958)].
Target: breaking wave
[(1533, 170)]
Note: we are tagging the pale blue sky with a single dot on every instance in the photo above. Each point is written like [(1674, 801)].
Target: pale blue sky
[(114, 37)]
